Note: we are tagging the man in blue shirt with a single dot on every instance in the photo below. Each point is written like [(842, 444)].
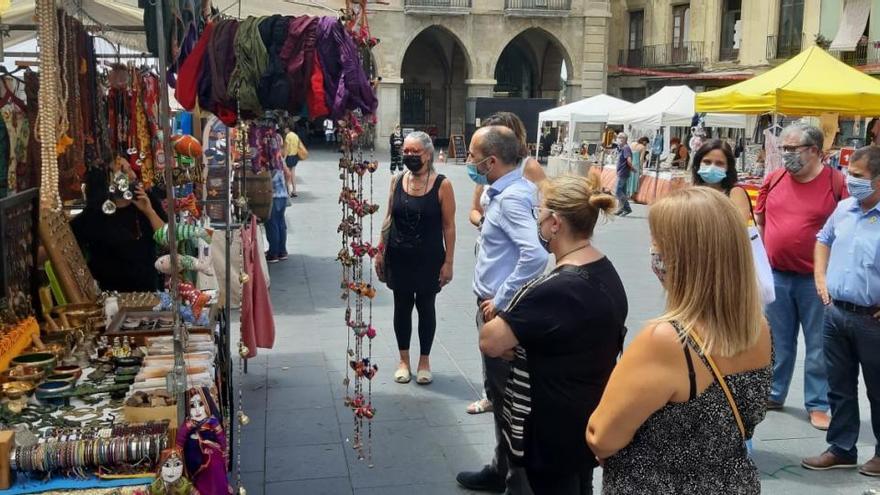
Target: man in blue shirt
[(624, 169), (509, 255), (847, 273)]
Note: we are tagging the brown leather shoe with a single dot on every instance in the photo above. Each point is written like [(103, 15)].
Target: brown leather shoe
[(826, 460), (872, 467), (820, 420)]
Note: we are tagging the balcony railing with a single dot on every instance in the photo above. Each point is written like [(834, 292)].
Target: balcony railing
[(537, 8), (862, 55), (779, 48), (437, 7), (666, 55), (728, 54)]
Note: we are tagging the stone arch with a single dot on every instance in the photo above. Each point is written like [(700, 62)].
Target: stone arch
[(434, 66), (530, 62)]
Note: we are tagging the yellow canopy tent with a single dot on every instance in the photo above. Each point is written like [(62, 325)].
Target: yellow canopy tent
[(811, 83)]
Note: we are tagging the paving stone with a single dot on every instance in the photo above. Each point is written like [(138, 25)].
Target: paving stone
[(298, 427), (305, 462), (329, 486)]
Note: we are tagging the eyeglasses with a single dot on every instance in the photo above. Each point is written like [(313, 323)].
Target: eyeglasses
[(536, 211), (792, 149)]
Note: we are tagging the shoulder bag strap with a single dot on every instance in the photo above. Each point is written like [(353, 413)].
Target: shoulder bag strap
[(723, 384)]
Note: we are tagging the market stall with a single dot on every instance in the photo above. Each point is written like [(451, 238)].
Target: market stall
[(592, 110), (672, 106), (813, 84)]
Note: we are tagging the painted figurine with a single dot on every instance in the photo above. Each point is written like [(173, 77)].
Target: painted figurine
[(169, 478), (203, 442), (186, 262)]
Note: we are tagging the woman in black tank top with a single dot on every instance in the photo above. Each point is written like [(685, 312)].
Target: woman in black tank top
[(418, 254)]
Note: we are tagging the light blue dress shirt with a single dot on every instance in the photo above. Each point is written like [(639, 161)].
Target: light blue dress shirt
[(509, 252), (854, 268)]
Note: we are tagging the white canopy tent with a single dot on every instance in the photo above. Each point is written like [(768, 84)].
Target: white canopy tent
[(672, 106), (593, 110)]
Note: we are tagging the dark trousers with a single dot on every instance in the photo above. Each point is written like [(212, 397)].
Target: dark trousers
[(403, 306), (850, 340), (497, 371), (276, 229), (579, 483), (622, 197)]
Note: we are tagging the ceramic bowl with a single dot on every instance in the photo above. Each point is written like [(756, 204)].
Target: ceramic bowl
[(68, 370), (129, 361), (42, 360), (17, 390), (62, 377), (23, 373), (51, 388)]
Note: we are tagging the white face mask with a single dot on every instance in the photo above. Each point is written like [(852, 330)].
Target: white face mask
[(172, 470), (197, 409)]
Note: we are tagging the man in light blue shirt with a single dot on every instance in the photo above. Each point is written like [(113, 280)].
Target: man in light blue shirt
[(509, 255), (847, 273)]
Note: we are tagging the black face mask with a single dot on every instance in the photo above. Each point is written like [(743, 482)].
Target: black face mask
[(412, 162)]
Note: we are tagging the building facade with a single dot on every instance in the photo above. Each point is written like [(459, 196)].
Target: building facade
[(435, 54), (852, 27), (706, 44)]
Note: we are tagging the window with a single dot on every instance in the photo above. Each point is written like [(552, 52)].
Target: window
[(415, 104), (632, 95), (636, 38), (636, 29), (681, 16), (791, 24), (731, 30)]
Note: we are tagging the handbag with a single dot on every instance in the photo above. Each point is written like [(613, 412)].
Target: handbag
[(762, 263), (723, 384), (385, 233), (302, 153)]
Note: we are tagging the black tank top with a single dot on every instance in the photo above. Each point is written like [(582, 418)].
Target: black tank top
[(417, 221)]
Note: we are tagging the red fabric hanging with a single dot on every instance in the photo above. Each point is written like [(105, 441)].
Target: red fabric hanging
[(188, 76), (257, 322), (316, 97)]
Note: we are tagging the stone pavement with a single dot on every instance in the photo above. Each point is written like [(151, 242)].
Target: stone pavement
[(297, 439)]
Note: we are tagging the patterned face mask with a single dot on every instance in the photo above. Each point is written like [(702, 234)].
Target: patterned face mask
[(658, 266)]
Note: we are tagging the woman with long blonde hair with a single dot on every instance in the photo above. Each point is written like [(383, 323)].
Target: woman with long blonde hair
[(692, 386)]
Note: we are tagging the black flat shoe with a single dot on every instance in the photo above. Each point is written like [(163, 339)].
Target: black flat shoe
[(486, 480)]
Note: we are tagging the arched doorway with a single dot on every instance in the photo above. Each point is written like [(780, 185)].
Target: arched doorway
[(533, 65), (433, 92)]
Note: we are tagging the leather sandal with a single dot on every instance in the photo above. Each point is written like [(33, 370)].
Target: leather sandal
[(424, 377), (402, 375)]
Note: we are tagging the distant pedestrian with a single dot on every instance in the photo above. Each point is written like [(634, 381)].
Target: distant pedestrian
[(329, 131), (793, 204), (624, 170), (418, 251), (847, 273), (294, 149), (673, 423), (276, 226), (396, 143), (564, 331), (509, 255)]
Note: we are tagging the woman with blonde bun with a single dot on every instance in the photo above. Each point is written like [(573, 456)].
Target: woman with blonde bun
[(563, 332)]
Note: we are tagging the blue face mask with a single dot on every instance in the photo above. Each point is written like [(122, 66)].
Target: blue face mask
[(858, 188), (475, 175), (712, 174)]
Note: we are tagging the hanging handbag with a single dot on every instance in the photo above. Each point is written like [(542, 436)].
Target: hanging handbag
[(302, 153), (385, 233), (762, 263)]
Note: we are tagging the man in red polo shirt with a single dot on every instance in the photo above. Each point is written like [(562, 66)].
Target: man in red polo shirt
[(792, 207)]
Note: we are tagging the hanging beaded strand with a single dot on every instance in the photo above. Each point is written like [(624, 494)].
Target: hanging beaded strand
[(48, 110)]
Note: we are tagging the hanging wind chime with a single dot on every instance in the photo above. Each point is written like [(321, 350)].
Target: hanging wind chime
[(356, 229)]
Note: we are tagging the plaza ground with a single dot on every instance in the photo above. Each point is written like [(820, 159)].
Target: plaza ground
[(297, 441)]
